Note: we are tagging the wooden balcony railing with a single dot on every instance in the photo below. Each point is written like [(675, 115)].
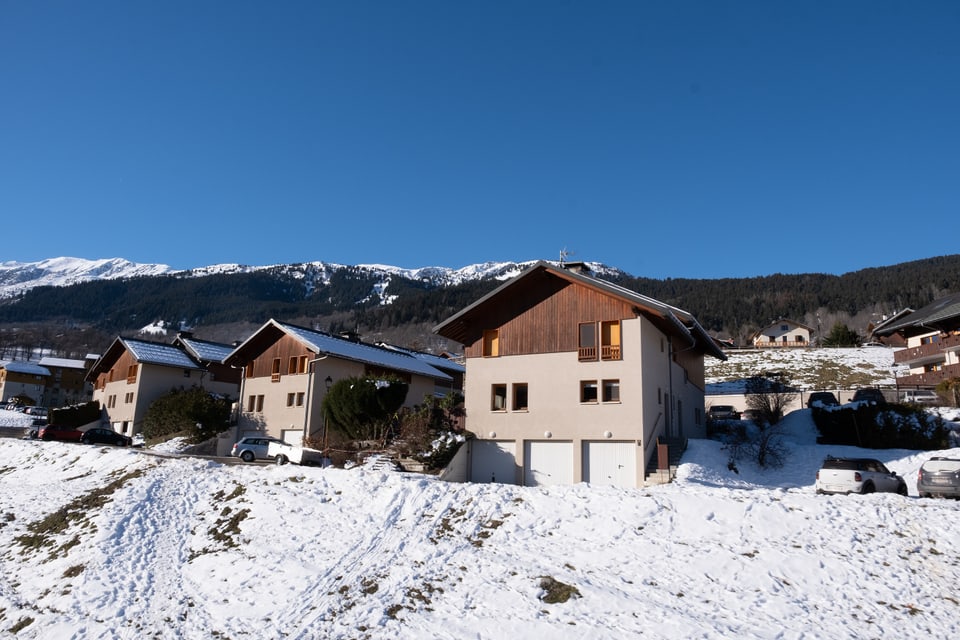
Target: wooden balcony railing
[(927, 352), (588, 353), (610, 352), (929, 378), (780, 344)]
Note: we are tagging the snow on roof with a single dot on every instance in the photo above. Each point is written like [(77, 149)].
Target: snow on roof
[(433, 360), (207, 351), (63, 363), (29, 368), (360, 352), (162, 354)]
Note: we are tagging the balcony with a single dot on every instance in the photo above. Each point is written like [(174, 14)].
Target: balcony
[(929, 378), (790, 344), (927, 353)]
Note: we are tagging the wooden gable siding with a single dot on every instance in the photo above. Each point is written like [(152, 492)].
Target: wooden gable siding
[(118, 370), (285, 347), (552, 324)]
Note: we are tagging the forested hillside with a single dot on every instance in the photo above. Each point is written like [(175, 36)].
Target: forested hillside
[(225, 307)]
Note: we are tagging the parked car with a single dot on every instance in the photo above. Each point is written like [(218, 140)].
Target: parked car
[(55, 432), (253, 448), (939, 477), (823, 398), (857, 475), (99, 435), (921, 396), (722, 412), (36, 411), (870, 395)]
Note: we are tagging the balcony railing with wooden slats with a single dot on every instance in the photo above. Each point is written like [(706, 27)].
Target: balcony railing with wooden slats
[(607, 352), (775, 345), (929, 378), (927, 352)]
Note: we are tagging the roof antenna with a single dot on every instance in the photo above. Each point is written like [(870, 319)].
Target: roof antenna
[(564, 254)]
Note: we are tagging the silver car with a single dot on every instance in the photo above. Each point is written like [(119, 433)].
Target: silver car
[(939, 477), (252, 448), (857, 475)]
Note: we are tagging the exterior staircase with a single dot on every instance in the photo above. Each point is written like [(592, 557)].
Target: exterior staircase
[(658, 472)]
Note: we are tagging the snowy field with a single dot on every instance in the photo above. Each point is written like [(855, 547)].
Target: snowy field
[(106, 543), (836, 368)]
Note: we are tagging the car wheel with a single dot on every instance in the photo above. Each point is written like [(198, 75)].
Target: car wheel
[(867, 488), (247, 456), (85, 441), (902, 490), (282, 459)]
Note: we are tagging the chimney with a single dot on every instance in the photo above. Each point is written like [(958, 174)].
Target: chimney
[(578, 267)]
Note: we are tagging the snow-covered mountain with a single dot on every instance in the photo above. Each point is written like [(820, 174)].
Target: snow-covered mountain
[(18, 277)]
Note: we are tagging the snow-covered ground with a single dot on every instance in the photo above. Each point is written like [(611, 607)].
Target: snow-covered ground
[(813, 368), (106, 543)]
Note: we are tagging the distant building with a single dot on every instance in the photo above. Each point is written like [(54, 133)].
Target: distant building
[(782, 334)]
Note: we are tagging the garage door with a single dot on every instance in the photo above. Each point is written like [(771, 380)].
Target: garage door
[(547, 463), (492, 461), (610, 463)]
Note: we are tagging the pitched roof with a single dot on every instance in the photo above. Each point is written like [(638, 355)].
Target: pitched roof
[(63, 363), (204, 350), (942, 313), (29, 368), (433, 360), (326, 344), (144, 352), (675, 320)]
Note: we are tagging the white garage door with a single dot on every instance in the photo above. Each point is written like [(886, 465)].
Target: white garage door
[(547, 463), (492, 461), (610, 463)]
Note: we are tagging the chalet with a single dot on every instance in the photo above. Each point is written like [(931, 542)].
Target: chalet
[(287, 371), (133, 373), (67, 383), (23, 380), (574, 379), (782, 334), (932, 338)]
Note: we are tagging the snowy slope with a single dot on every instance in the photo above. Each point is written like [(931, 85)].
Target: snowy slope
[(119, 544)]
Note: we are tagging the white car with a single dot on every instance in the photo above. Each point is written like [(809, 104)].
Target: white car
[(858, 475), (920, 396), (253, 448)]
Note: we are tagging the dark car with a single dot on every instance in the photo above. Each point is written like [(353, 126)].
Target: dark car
[(869, 395), (939, 477), (824, 398), (722, 412), (99, 435), (56, 432)]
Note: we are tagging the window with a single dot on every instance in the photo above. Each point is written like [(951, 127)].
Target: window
[(588, 341), (111, 402), (275, 372), (520, 396), (491, 343), (588, 391), (131, 374), (292, 365), (611, 391), (300, 399), (251, 403), (260, 404), (186, 373), (290, 398), (498, 401), (610, 340), (128, 399)]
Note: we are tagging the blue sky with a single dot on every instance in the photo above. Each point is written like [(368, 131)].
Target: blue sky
[(669, 139)]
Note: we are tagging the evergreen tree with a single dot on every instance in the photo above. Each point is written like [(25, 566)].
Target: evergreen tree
[(842, 336)]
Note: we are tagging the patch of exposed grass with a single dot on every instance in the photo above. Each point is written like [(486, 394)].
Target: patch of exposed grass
[(556, 592), (76, 513), (74, 571), (22, 624)]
